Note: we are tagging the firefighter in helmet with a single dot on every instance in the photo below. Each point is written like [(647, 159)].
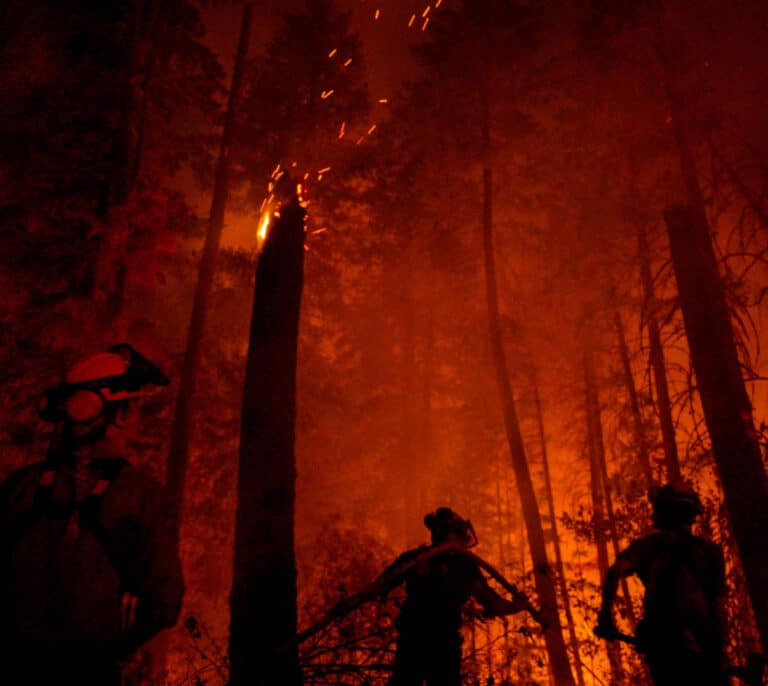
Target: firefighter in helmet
[(437, 585), (89, 565), (682, 632)]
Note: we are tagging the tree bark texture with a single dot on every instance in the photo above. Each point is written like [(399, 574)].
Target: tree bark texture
[(262, 649), (543, 577), (726, 404), (178, 457)]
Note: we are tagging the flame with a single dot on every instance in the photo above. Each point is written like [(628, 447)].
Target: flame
[(263, 227)]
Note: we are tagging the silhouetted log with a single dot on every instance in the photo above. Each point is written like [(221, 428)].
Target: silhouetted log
[(178, 456), (641, 445), (262, 647), (724, 398), (663, 403), (564, 595), (542, 574), (597, 488)]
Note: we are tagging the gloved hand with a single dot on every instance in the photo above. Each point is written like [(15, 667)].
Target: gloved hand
[(606, 626)]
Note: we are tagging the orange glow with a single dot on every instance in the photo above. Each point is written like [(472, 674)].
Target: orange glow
[(424, 27), (326, 94), (323, 170), (377, 15), (263, 227), (348, 62), (342, 130), (411, 20), (383, 101), (372, 129), (426, 11), (332, 53)]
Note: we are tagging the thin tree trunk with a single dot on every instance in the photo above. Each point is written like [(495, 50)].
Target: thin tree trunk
[(663, 403), (573, 638), (637, 421), (262, 650), (178, 457), (597, 487), (545, 586), (727, 407)]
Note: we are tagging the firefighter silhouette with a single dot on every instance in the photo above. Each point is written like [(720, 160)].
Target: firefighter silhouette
[(682, 631), (89, 558), (439, 579)]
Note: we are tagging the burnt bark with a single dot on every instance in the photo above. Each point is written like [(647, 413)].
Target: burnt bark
[(182, 422), (263, 604), (724, 398), (542, 573)]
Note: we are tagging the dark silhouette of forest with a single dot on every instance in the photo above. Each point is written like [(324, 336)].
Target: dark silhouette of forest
[(527, 284)]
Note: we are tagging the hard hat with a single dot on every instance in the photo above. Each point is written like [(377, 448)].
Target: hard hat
[(676, 492), (120, 374), (445, 520)]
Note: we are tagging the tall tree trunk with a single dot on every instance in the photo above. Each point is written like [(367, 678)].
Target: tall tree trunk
[(641, 445), (711, 340), (597, 487), (572, 637), (263, 600), (727, 407), (545, 586), (178, 457), (663, 403)]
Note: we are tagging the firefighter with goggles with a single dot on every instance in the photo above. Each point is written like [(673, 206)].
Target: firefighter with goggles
[(89, 564)]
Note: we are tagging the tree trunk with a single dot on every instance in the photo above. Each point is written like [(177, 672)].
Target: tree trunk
[(263, 600), (664, 405), (637, 420), (711, 340), (545, 586), (573, 638), (727, 407), (182, 422), (595, 441)]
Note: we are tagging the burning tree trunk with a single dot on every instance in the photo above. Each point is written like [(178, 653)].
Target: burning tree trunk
[(594, 446), (263, 600), (727, 408), (637, 421), (179, 451), (573, 638), (671, 459), (545, 584)]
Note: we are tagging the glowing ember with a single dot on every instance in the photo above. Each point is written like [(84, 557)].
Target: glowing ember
[(411, 20), (332, 52), (326, 94)]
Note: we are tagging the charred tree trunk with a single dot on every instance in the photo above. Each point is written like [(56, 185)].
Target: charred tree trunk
[(727, 407), (664, 405), (564, 595), (637, 419), (263, 601), (543, 578), (597, 487), (182, 422)]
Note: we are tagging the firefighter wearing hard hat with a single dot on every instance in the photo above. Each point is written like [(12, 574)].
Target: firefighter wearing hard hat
[(437, 586), (682, 632), (89, 558)]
